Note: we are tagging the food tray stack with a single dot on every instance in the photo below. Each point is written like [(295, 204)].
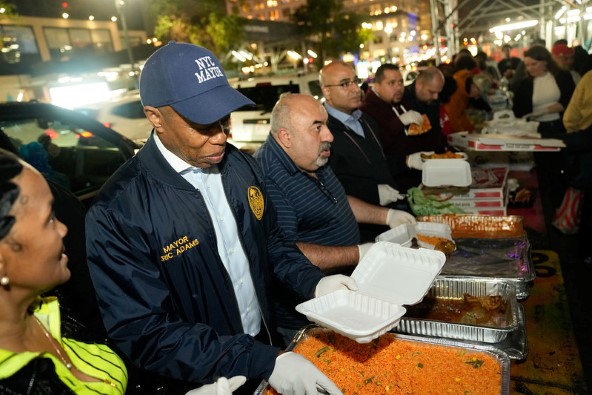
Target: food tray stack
[(487, 194)]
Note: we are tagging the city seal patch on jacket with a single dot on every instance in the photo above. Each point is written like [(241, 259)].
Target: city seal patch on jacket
[(256, 202)]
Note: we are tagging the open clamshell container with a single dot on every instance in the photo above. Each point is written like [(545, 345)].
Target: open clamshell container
[(446, 172), (404, 233), (432, 229), (417, 344), (388, 277), (401, 235), (493, 303)]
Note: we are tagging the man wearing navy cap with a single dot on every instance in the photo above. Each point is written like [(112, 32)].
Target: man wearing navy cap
[(183, 242)]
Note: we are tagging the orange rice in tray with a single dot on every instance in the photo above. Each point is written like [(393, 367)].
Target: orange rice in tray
[(389, 365)]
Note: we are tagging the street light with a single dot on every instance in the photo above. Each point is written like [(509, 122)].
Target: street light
[(119, 4), (514, 26)]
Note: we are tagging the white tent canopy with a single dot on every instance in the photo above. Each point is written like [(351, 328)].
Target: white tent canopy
[(454, 19)]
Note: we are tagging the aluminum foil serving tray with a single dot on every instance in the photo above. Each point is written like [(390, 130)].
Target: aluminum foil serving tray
[(502, 259), (454, 289), (480, 226), (501, 357), (488, 246), (515, 345)]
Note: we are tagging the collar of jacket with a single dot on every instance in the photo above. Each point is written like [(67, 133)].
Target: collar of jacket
[(282, 157), (151, 158), (373, 100), (410, 97)]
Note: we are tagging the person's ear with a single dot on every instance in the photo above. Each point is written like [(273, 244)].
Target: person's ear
[(326, 93), (284, 137), (154, 116)]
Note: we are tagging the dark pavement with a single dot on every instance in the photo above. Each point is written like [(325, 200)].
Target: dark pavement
[(577, 276)]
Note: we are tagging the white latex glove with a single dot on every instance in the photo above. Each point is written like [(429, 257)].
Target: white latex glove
[(397, 217), (222, 386), (295, 375), (410, 117), (363, 249), (414, 161), (388, 194), (335, 282)]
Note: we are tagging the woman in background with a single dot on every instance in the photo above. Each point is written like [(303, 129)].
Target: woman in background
[(543, 96), (34, 356)]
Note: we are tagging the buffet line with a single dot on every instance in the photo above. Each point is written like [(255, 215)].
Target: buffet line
[(437, 310)]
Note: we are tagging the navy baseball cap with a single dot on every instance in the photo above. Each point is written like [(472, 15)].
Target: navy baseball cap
[(191, 80)]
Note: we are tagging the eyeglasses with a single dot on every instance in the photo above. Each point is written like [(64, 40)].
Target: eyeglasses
[(346, 84)]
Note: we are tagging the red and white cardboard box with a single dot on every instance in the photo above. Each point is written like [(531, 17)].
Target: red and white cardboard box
[(503, 142), (487, 184), (468, 204), (488, 193)]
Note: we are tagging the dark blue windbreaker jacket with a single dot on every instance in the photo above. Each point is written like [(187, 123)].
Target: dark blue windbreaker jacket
[(164, 294)]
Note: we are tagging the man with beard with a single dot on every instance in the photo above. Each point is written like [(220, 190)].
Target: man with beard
[(403, 150), (312, 206), (357, 158)]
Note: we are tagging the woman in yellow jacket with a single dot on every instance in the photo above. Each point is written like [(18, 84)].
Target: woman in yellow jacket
[(35, 357)]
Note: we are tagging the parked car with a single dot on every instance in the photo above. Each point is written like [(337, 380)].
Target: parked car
[(124, 114), (250, 125), (73, 150)]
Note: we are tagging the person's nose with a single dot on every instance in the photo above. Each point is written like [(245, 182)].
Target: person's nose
[(327, 135), (221, 134), (62, 229)]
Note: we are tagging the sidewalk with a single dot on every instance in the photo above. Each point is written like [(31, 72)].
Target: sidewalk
[(553, 363), (576, 277)]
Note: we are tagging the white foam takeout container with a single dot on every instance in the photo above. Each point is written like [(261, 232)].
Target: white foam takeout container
[(446, 172), (403, 233), (388, 277)]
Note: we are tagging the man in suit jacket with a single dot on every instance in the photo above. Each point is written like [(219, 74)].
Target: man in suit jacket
[(357, 157)]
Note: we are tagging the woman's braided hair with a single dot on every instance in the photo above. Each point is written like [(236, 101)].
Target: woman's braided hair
[(10, 167)]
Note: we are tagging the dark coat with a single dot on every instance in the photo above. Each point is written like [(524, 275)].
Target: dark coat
[(396, 144), (166, 298), (359, 163)]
